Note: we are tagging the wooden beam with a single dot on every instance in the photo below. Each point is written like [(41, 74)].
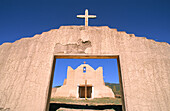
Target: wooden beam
[(86, 56), (85, 89)]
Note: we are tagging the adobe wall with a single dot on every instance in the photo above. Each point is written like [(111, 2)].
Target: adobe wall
[(77, 78), (25, 66)]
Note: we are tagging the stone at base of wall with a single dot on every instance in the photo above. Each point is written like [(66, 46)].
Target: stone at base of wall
[(4, 109)]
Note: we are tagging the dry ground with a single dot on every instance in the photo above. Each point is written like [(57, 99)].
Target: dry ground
[(95, 101), (67, 109), (74, 104)]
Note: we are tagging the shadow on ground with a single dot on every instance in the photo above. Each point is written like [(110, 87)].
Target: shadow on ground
[(55, 106)]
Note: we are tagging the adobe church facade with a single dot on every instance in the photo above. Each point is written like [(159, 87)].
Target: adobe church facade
[(80, 78), (26, 66)]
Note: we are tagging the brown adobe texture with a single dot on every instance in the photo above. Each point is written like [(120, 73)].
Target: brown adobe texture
[(26, 66)]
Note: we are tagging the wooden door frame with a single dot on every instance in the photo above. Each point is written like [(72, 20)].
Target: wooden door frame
[(86, 57)]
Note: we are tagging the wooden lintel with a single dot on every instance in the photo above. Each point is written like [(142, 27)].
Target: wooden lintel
[(86, 56)]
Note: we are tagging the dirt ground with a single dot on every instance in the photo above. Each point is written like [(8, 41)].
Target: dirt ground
[(96, 101), (74, 104), (67, 109)]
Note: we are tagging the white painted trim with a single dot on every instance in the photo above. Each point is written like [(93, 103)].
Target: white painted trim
[(78, 91), (92, 92)]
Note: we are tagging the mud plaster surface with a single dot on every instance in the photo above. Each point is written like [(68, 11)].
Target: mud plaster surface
[(25, 66)]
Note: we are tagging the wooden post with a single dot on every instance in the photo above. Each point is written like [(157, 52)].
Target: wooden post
[(85, 89)]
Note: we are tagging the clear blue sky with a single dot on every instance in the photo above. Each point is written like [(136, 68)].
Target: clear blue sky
[(25, 18), (110, 69)]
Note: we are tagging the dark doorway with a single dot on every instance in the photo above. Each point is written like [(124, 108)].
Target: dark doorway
[(82, 91)]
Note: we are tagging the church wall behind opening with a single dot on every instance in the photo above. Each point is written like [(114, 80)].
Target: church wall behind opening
[(74, 84)]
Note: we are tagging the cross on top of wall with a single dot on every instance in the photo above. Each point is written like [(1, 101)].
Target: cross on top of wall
[(86, 16)]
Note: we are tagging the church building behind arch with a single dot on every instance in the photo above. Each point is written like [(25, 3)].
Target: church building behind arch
[(84, 82)]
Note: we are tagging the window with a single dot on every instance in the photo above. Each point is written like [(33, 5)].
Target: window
[(84, 69)]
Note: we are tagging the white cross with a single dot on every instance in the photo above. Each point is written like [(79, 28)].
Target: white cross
[(86, 16)]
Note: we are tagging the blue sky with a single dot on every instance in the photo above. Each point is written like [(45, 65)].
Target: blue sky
[(110, 69), (25, 18)]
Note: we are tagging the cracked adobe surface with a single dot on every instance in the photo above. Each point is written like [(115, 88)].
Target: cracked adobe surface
[(25, 66)]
